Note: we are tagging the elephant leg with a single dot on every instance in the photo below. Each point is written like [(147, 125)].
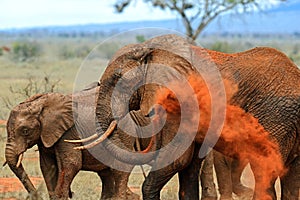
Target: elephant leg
[(207, 179), (189, 178), (290, 183), (108, 183), (259, 190), (238, 188), (49, 170), (155, 180), (121, 185), (223, 172), (69, 163)]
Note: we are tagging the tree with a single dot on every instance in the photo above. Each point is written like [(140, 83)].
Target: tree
[(197, 14)]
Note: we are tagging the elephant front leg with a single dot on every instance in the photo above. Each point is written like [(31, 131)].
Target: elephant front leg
[(108, 184), (160, 176), (122, 190), (69, 163), (189, 178), (207, 179), (155, 181), (49, 170)]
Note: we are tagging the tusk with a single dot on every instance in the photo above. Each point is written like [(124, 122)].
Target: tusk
[(152, 142), (110, 129), (83, 140), (20, 160)]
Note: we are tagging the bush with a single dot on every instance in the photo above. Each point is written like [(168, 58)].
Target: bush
[(67, 52), (140, 38), (24, 51)]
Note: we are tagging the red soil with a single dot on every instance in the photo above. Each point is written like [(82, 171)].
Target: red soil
[(14, 184)]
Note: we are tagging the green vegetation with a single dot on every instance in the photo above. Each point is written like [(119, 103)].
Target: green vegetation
[(24, 51), (140, 38)]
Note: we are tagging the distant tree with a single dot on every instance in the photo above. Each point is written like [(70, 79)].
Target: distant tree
[(33, 86), (197, 14)]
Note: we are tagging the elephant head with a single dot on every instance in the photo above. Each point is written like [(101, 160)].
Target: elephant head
[(43, 118), (128, 87)]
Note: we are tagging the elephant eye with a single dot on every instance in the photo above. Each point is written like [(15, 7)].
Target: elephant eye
[(25, 132)]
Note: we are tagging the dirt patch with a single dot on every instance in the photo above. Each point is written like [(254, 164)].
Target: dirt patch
[(14, 184)]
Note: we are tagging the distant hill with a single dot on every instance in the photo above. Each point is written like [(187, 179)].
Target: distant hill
[(280, 20)]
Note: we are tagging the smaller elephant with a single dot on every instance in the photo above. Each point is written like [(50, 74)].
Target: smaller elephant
[(47, 120)]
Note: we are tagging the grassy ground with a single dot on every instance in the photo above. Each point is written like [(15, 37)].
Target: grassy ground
[(62, 62)]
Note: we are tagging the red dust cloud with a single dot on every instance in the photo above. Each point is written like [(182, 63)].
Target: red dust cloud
[(242, 136)]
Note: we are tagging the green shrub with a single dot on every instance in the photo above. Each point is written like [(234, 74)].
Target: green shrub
[(24, 51), (140, 38)]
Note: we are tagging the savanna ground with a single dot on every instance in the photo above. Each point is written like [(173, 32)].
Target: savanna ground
[(51, 63)]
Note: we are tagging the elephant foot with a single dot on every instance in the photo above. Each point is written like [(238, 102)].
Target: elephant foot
[(241, 190), (129, 196), (209, 194)]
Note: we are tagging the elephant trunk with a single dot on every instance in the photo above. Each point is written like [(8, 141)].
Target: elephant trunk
[(123, 154), (13, 161)]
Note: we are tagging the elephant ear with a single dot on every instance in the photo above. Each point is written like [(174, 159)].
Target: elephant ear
[(56, 118)]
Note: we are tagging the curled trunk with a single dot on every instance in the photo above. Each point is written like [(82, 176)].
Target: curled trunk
[(124, 154), (12, 160)]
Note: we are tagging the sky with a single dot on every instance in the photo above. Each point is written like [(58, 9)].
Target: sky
[(29, 13), (32, 13)]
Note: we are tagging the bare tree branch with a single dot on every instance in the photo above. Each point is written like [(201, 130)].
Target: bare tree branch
[(197, 14)]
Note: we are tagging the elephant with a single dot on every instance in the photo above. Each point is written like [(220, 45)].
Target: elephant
[(228, 174), (47, 120), (266, 86)]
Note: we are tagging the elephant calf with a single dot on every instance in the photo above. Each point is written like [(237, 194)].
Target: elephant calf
[(47, 120)]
